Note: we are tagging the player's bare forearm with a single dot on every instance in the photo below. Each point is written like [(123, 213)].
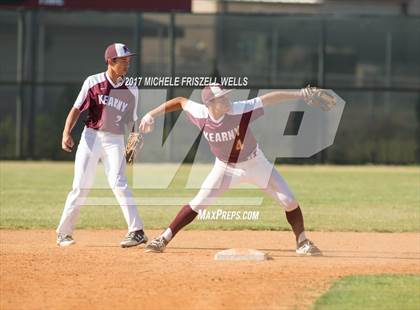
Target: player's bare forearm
[(147, 122), (71, 120), (280, 96), (169, 106), (67, 142)]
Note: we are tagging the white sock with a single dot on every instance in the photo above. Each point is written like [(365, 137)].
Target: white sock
[(167, 234), (301, 237)]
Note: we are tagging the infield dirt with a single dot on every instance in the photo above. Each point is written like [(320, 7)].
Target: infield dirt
[(97, 274)]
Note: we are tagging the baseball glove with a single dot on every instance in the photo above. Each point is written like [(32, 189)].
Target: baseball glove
[(135, 140), (318, 97)]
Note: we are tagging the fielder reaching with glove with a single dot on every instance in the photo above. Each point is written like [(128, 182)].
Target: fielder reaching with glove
[(111, 106), (238, 157)]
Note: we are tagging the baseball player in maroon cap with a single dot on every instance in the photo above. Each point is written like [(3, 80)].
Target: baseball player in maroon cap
[(225, 126), (110, 106)]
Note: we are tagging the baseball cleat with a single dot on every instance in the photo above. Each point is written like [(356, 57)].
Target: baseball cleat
[(307, 247), (157, 245), (65, 240), (134, 238)]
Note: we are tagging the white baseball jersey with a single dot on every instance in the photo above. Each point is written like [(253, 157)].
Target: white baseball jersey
[(109, 105), (230, 138)]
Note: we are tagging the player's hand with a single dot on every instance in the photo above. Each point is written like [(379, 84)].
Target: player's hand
[(147, 124), (67, 142)]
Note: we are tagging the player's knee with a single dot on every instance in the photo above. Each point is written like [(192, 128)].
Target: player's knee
[(203, 200), (290, 205), (198, 204), (288, 202), (78, 192), (117, 182)]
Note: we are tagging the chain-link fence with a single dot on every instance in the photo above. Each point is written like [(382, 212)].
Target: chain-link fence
[(371, 62)]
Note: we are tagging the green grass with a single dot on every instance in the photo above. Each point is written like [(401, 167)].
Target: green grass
[(373, 292), (341, 198)]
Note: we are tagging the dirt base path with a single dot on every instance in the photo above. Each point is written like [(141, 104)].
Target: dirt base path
[(97, 274)]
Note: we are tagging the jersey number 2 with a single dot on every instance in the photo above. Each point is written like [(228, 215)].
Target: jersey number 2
[(118, 119)]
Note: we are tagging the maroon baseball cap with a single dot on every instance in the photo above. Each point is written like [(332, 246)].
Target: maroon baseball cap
[(117, 50), (212, 91)]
